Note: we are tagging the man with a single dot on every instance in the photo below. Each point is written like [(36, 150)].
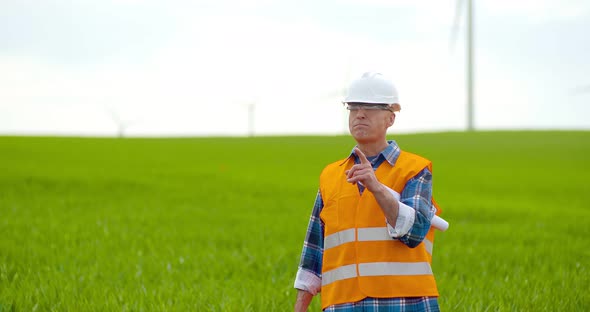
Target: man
[(369, 241)]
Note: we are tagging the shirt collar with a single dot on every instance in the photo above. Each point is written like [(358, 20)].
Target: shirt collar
[(390, 153)]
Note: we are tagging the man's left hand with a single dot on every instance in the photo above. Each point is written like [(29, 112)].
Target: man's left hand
[(363, 173)]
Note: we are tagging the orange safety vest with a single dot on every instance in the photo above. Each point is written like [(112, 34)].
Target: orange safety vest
[(360, 257)]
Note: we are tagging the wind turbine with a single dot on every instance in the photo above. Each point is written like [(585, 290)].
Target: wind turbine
[(340, 93), (251, 114), (121, 124), (470, 63)]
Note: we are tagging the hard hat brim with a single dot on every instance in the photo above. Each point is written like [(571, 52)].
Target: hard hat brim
[(395, 106)]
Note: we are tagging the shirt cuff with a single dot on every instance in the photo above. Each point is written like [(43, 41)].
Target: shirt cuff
[(308, 281), (405, 219), (393, 193)]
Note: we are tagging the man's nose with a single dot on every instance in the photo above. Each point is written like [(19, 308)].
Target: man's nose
[(361, 113)]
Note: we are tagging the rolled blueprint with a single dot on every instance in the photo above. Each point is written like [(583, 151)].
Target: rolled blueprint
[(436, 221)]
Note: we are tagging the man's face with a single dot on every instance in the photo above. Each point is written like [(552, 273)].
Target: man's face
[(367, 126)]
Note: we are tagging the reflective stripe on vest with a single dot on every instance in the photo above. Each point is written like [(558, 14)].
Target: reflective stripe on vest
[(376, 269), (364, 235)]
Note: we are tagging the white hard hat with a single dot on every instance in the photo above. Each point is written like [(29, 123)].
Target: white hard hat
[(372, 88)]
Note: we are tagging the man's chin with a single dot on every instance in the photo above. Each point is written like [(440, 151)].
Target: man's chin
[(361, 136)]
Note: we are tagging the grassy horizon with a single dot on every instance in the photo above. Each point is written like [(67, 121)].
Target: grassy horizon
[(217, 224)]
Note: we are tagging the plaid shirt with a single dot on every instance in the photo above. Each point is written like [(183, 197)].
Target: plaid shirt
[(417, 194)]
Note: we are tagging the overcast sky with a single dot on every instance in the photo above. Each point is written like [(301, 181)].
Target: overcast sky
[(194, 67)]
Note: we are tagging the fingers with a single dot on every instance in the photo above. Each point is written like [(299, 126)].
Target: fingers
[(360, 172), (355, 168), (361, 156), (361, 175)]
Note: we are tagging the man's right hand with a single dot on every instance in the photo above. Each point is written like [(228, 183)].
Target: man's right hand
[(303, 300)]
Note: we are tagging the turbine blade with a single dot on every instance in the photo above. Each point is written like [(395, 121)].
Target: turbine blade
[(581, 89), (456, 25)]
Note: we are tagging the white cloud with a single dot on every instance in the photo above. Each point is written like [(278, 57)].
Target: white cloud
[(212, 64), (246, 57), (221, 63)]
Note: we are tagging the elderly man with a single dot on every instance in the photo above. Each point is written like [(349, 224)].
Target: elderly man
[(369, 241)]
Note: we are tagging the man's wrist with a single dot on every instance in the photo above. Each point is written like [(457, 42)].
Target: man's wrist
[(379, 189)]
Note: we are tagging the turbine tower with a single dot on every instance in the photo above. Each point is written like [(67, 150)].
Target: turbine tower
[(470, 62), (251, 115), (470, 69)]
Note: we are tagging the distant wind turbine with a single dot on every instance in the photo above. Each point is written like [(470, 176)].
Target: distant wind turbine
[(121, 124), (251, 115)]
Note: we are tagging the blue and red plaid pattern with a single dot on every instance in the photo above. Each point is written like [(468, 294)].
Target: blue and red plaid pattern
[(419, 304)]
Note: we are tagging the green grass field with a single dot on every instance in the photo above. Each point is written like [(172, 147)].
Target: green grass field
[(217, 224)]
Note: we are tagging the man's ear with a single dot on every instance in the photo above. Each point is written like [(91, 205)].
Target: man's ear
[(391, 120)]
